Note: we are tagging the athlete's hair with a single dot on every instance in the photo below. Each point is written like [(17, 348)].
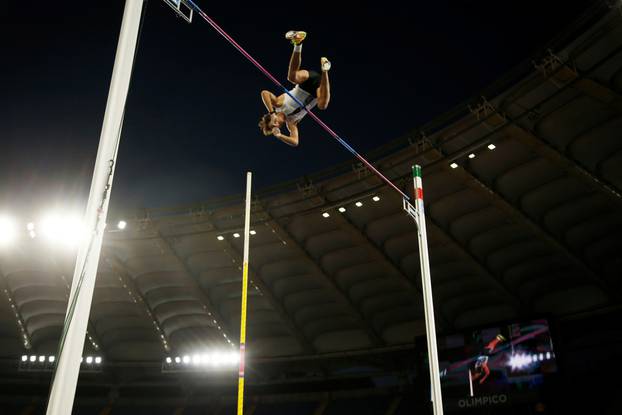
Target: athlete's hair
[(264, 124)]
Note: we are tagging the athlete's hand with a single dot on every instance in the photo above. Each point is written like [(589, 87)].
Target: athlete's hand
[(276, 131)]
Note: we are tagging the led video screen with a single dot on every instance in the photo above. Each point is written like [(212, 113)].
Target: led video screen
[(496, 366)]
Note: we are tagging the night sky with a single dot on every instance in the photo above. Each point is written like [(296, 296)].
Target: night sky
[(190, 129)]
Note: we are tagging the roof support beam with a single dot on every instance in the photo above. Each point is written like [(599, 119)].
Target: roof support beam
[(379, 254), (342, 297), (91, 333), (121, 271), (470, 179), (481, 266), (492, 118), (255, 278), (19, 320), (218, 321), (561, 73)]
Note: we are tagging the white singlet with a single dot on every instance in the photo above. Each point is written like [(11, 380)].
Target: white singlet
[(291, 109)]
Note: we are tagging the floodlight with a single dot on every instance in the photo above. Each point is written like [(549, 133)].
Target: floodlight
[(7, 230), (196, 359), (89, 360), (236, 235), (220, 237), (33, 358), (253, 232), (24, 358), (519, 361), (342, 209), (186, 359), (169, 360), (453, 165), (122, 224), (471, 156), (98, 360), (326, 214), (358, 204), (51, 359), (375, 198), (217, 359), (41, 359), (68, 230), (548, 355), (491, 146), (177, 359)]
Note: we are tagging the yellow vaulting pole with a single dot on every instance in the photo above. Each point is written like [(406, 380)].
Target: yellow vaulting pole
[(247, 226)]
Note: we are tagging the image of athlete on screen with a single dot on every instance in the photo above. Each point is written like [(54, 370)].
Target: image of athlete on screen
[(479, 370)]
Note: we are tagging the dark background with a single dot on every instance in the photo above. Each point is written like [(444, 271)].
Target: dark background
[(190, 129)]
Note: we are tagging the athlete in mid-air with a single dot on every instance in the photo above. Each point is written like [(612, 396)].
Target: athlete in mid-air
[(480, 368), (312, 88)]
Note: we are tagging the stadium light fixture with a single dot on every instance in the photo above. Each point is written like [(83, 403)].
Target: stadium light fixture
[(358, 204), (8, 230), (326, 214), (491, 146), (472, 155), (253, 232), (342, 209), (453, 165), (98, 360), (520, 361), (236, 235), (215, 359), (89, 360), (375, 198), (67, 230), (41, 359), (24, 358), (33, 358), (220, 237), (51, 359), (122, 224)]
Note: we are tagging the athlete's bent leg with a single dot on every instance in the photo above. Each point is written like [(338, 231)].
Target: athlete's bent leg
[(323, 92)]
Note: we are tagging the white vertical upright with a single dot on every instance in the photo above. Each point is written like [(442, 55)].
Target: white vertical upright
[(76, 319), (426, 283)]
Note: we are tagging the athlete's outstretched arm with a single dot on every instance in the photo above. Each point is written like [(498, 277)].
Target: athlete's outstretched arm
[(292, 138), (269, 100)]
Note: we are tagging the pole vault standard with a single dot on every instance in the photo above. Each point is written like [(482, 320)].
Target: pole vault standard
[(76, 319), (247, 227), (418, 214)]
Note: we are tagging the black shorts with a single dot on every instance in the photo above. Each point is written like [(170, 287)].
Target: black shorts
[(312, 83)]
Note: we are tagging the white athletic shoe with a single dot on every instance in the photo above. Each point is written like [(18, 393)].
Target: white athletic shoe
[(296, 36), (325, 64)]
